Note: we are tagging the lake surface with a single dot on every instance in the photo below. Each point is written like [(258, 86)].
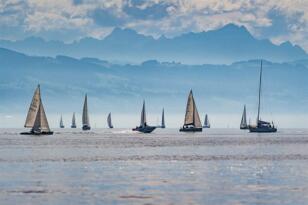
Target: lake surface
[(103, 166)]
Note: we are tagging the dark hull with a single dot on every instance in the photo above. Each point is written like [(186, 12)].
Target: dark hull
[(86, 127), (191, 129), (262, 129), (61, 126), (36, 133), (163, 127), (206, 127), (111, 127), (147, 129), (73, 126), (244, 128)]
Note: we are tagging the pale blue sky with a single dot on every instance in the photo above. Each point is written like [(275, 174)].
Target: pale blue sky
[(69, 20)]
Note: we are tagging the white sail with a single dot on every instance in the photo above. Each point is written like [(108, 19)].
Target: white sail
[(73, 120), (143, 116), (109, 121), (192, 115), (163, 119), (85, 114), (244, 119), (34, 107)]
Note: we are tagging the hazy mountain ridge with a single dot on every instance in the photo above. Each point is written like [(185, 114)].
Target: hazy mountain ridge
[(218, 88), (225, 45)]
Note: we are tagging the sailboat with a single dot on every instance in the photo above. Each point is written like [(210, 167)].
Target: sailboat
[(109, 122), (85, 115), (244, 125), (73, 121), (144, 127), (61, 122), (163, 120), (36, 118), (192, 121), (262, 126), (206, 122)]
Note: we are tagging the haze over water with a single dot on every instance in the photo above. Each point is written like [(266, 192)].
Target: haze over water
[(218, 166)]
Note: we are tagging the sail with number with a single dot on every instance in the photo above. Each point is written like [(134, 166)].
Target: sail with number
[(143, 120), (36, 117), (85, 114), (163, 119), (109, 121), (244, 119), (192, 115)]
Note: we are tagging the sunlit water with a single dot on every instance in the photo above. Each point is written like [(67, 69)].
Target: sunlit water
[(218, 166)]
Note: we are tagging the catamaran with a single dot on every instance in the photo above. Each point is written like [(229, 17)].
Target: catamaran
[(262, 126), (109, 122), (163, 120), (206, 122), (36, 118), (192, 121), (144, 127), (61, 122), (244, 125), (85, 115), (73, 121)]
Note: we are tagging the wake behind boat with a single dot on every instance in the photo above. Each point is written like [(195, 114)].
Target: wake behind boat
[(85, 115), (262, 126), (144, 128), (192, 121), (36, 118)]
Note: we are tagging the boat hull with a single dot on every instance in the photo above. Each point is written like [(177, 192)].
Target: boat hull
[(73, 126), (191, 129), (86, 127), (36, 133), (206, 127), (61, 126), (147, 129), (244, 128), (262, 129)]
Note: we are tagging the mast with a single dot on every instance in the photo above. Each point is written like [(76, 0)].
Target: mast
[(260, 86)]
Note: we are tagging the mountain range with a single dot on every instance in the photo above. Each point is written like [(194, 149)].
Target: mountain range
[(226, 45)]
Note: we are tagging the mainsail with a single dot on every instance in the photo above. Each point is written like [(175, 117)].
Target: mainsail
[(143, 120), (192, 115), (244, 119), (163, 119), (61, 122), (109, 121), (36, 118), (85, 114), (73, 121), (206, 121)]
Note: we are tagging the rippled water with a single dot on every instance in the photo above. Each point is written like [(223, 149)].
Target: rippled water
[(218, 166)]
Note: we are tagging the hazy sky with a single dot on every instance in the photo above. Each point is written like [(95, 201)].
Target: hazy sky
[(68, 20)]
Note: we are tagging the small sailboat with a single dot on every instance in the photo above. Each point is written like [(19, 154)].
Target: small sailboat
[(36, 118), (61, 122), (109, 122), (163, 120), (73, 121), (144, 127), (206, 122), (192, 121), (262, 126), (244, 125), (85, 115)]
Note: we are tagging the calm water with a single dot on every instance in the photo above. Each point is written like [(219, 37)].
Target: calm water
[(166, 167)]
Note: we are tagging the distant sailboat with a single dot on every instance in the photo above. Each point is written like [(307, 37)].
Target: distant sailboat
[(73, 121), (262, 126), (244, 125), (143, 123), (192, 121), (206, 122), (85, 115), (36, 118), (163, 120), (61, 122), (109, 122)]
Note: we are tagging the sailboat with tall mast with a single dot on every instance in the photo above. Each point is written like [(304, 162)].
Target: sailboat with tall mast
[(262, 126), (61, 122), (73, 121), (144, 127), (244, 125), (163, 120), (109, 122), (85, 115), (192, 121), (36, 118), (206, 122)]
